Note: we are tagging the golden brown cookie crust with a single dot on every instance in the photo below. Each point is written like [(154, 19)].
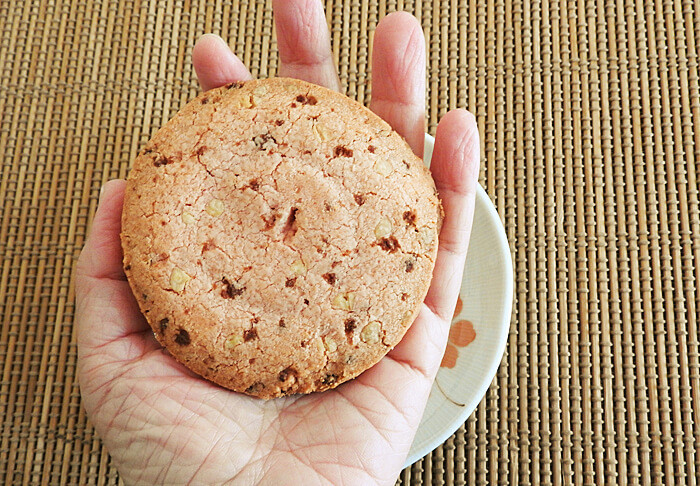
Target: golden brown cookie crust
[(278, 236)]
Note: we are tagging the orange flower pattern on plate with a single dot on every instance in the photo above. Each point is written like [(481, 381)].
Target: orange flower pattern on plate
[(461, 334)]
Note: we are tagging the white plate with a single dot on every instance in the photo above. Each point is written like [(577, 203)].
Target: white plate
[(487, 297)]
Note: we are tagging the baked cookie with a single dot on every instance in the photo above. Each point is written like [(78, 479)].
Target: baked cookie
[(278, 236)]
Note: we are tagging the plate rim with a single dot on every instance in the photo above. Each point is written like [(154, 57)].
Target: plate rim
[(504, 320)]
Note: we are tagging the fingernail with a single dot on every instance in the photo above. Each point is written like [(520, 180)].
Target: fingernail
[(102, 191), (218, 39)]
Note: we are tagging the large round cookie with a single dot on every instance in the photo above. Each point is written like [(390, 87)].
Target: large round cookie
[(279, 237)]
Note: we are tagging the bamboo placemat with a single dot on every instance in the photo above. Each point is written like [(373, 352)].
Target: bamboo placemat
[(588, 112)]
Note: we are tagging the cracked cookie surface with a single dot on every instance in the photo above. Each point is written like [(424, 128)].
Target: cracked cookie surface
[(279, 237)]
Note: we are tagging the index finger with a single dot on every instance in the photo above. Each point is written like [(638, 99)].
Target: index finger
[(215, 63)]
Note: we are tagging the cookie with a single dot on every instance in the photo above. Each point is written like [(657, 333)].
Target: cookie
[(279, 237)]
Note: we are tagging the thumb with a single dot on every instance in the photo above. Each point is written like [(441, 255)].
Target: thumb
[(105, 306)]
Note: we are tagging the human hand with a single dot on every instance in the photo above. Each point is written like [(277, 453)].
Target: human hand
[(163, 424)]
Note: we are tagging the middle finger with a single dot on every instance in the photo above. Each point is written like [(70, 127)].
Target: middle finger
[(303, 42)]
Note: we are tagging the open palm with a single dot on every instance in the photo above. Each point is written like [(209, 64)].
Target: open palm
[(163, 424)]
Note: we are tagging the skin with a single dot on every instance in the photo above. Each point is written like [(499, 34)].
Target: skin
[(163, 424)]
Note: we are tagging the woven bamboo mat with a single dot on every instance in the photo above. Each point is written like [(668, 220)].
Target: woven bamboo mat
[(588, 112)]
